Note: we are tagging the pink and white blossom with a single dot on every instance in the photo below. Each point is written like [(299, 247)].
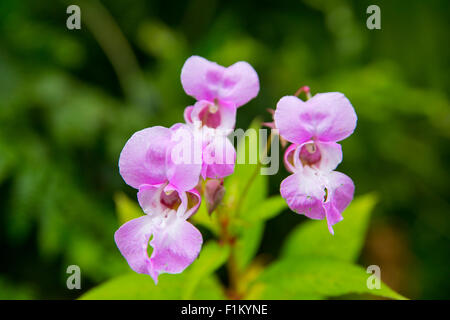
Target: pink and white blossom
[(233, 86), (314, 127), (176, 243), (219, 92)]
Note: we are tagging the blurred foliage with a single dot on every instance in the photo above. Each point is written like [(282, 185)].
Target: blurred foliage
[(345, 245), (69, 100)]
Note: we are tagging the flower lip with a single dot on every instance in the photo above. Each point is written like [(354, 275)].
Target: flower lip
[(324, 156), (157, 200), (170, 199), (209, 116), (318, 194), (310, 154)]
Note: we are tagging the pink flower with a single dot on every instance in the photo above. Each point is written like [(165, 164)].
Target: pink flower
[(165, 165), (167, 195), (314, 127), (321, 121), (229, 87), (219, 91), (176, 243)]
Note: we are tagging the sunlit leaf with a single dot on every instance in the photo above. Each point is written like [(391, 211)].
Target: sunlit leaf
[(267, 209), (248, 244), (310, 278), (312, 238), (211, 257), (134, 286)]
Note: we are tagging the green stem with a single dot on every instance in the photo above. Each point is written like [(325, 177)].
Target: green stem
[(234, 273), (253, 176)]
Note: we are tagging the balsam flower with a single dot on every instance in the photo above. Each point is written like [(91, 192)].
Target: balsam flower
[(219, 91), (167, 195), (165, 165), (176, 243), (314, 127)]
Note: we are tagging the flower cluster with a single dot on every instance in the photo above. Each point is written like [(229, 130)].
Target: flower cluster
[(314, 127), (167, 187)]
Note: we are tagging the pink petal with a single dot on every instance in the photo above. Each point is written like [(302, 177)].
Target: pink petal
[(330, 155), (325, 117), (331, 115), (219, 157), (142, 160), (201, 78), (183, 158), (333, 216), (341, 189), (149, 197), (304, 193), (132, 240), (175, 247), (289, 158), (289, 122), (240, 84), (190, 201), (206, 80), (187, 114), (340, 193), (194, 200)]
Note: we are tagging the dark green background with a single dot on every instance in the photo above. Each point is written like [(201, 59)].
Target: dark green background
[(69, 100)]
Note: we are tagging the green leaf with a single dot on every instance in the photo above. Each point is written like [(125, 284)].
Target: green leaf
[(212, 256), (313, 239), (247, 244), (267, 209), (126, 208), (134, 286), (311, 278)]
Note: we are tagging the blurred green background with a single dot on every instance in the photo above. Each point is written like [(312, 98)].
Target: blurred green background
[(69, 100)]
